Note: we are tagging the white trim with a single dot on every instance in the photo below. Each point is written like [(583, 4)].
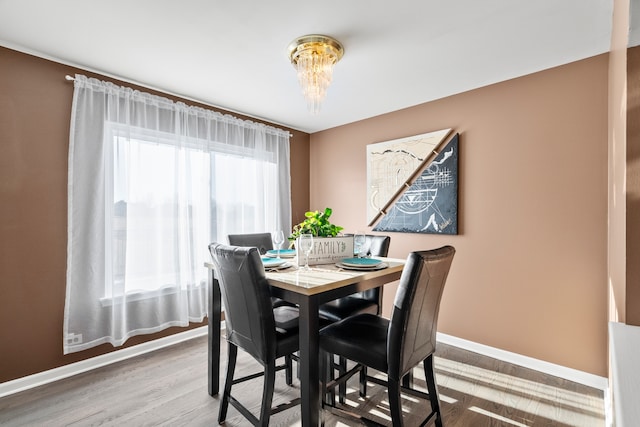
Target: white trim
[(624, 341), (608, 408), (46, 377), (41, 378), (581, 377)]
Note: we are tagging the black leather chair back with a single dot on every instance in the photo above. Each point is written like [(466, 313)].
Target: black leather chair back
[(249, 317), (377, 245), (374, 246), (412, 331), (262, 241)]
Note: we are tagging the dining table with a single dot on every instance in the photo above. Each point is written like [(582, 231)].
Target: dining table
[(308, 289)]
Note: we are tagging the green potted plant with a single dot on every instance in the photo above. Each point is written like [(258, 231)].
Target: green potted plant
[(328, 247), (317, 224)]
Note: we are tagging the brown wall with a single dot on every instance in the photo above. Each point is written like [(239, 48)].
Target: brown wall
[(530, 273), (35, 108)]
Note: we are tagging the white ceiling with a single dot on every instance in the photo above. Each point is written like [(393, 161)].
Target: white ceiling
[(232, 53)]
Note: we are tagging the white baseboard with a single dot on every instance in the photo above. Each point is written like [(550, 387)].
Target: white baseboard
[(41, 378), (580, 377), (46, 377)]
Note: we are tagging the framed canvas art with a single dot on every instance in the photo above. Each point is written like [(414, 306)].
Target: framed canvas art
[(391, 164), (427, 201)]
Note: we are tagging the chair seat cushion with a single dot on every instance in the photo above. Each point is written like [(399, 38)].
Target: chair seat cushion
[(286, 318), (361, 338), (344, 307), (277, 302)]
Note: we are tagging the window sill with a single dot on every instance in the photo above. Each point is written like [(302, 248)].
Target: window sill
[(142, 295)]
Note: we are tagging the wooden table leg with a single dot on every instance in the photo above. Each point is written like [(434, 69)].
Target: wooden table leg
[(309, 362)]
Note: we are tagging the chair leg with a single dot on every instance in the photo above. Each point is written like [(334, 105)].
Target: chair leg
[(342, 387), (432, 388), (407, 380), (231, 367), (395, 404), (267, 393), (363, 382), (326, 370), (289, 369)]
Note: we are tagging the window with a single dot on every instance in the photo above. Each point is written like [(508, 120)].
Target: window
[(143, 210)]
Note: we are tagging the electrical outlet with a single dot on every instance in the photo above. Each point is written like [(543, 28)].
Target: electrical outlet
[(74, 339)]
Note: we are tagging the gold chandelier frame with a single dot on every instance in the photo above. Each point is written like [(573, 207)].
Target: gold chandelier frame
[(317, 43)]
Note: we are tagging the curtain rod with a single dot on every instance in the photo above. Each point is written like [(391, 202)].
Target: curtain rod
[(71, 78)]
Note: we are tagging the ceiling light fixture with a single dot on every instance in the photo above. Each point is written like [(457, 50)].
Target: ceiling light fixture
[(313, 57)]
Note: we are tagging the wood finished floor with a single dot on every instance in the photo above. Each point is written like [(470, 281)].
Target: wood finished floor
[(169, 388)]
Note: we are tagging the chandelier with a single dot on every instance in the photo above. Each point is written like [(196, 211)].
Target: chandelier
[(313, 57)]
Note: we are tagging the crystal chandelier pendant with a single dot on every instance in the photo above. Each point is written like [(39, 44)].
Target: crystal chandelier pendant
[(313, 57)]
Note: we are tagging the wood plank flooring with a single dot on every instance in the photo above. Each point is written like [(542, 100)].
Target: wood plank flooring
[(169, 388)]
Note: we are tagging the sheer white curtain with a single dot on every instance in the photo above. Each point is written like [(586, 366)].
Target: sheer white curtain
[(151, 183)]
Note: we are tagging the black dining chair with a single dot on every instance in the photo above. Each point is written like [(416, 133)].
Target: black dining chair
[(369, 301), (254, 325), (395, 346), (263, 242)]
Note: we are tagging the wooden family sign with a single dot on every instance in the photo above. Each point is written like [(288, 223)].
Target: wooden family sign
[(327, 250)]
